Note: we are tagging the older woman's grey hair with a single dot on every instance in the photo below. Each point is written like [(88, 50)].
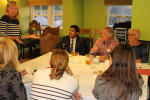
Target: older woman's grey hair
[(136, 31)]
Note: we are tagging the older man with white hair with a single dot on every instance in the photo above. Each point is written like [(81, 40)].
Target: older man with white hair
[(105, 44)]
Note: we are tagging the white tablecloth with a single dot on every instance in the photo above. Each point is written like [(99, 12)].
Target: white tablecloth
[(86, 82)]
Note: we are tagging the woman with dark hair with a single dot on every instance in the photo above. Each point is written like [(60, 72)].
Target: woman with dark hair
[(53, 83), (121, 80)]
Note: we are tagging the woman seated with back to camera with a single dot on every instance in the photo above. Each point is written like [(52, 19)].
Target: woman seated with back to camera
[(139, 48), (52, 83), (11, 86), (121, 80)]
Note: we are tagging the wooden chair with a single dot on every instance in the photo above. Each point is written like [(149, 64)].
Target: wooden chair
[(88, 44), (86, 31), (32, 42), (49, 40), (147, 43), (96, 31), (36, 25)]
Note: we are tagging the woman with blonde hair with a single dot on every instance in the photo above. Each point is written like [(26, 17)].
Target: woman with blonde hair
[(54, 83), (139, 48), (121, 80), (10, 26), (11, 86)]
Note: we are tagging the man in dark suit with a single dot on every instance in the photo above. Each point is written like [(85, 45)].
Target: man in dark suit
[(73, 43)]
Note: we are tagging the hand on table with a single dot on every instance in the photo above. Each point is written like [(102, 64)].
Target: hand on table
[(23, 73), (74, 53), (76, 96), (91, 56), (103, 58)]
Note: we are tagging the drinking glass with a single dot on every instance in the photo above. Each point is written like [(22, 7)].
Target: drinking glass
[(94, 74), (107, 63), (79, 59), (88, 61), (93, 64)]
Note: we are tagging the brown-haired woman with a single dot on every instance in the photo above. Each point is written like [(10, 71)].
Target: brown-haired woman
[(54, 83), (11, 86), (121, 80)]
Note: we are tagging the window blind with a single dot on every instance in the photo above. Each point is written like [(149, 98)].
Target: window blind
[(118, 2), (44, 2)]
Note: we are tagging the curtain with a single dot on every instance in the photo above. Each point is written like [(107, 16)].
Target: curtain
[(118, 2), (44, 2)]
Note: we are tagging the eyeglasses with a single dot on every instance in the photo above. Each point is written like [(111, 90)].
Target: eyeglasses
[(131, 34)]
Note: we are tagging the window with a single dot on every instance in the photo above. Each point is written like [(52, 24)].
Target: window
[(48, 15), (114, 11)]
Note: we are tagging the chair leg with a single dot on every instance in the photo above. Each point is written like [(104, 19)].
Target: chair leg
[(35, 51), (20, 50), (23, 54), (30, 50)]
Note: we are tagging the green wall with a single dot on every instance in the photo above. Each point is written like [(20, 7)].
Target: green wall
[(94, 14), (25, 15), (2, 7), (73, 12), (141, 17)]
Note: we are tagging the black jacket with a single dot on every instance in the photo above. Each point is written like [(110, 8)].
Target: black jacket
[(80, 44)]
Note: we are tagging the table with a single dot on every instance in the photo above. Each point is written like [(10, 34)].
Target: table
[(86, 82)]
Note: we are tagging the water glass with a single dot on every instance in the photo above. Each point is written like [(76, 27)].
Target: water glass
[(93, 64), (94, 74), (107, 63), (79, 59), (49, 55), (73, 59)]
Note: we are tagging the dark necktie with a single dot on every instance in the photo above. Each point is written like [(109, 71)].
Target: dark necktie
[(71, 48)]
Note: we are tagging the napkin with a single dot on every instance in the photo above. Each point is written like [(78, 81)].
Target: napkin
[(144, 71)]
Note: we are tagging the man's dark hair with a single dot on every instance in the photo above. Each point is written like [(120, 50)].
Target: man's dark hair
[(75, 27)]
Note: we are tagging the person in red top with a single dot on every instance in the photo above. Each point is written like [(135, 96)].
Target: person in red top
[(105, 44)]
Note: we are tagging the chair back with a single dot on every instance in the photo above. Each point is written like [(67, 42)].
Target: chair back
[(96, 31), (36, 25), (86, 31), (88, 44), (147, 43), (49, 39), (119, 39)]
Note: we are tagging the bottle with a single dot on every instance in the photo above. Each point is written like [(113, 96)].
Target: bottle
[(64, 47)]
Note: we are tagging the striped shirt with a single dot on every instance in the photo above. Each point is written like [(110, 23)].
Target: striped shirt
[(102, 48), (45, 89), (9, 27)]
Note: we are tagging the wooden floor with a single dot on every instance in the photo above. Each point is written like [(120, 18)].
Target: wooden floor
[(28, 56)]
